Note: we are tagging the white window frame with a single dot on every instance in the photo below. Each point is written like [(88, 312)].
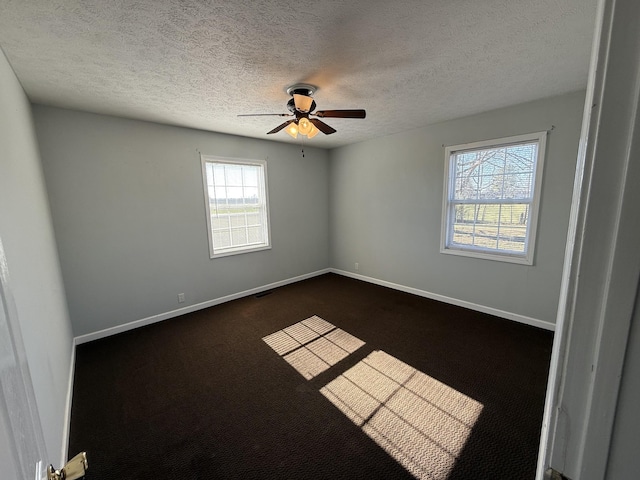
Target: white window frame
[(263, 188), (448, 204)]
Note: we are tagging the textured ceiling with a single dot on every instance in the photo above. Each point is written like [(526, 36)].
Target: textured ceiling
[(200, 63)]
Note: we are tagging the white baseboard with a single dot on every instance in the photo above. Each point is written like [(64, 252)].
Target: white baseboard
[(191, 308), (453, 301), (67, 412)]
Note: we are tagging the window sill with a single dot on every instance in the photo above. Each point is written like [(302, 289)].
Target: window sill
[(522, 260), (240, 251)]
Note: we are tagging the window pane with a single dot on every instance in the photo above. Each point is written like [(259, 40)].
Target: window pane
[(219, 206), (233, 175), (218, 174), (209, 174), (219, 222), (238, 220), (239, 236), (462, 236), (464, 213), (486, 236), (513, 238), (250, 176), (519, 185), (491, 226), (235, 195), (222, 239), (251, 195), (495, 173), (255, 234), (254, 218)]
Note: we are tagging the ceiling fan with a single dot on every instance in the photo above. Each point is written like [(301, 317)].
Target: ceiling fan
[(305, 121)]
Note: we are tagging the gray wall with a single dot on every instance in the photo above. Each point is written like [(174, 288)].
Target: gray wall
[(32, 261), (127, 204), (129, 216), (386, 209)]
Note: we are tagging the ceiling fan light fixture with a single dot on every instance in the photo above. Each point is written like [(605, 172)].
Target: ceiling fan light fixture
[(292, 129), (313, 131), (304, 126), (302, 102)]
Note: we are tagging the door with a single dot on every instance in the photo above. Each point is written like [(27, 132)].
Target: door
[(602, 261), (22, 450)]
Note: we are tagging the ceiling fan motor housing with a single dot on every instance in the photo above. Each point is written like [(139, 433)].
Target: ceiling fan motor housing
[(302, 89), (291, 105)]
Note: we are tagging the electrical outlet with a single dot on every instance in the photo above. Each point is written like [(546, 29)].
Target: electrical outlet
[(357, 266), (181, 298)]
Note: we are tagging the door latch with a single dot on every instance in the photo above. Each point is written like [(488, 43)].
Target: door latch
[(75, 468), (552, 474)]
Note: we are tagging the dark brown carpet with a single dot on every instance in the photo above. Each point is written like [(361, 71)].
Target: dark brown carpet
[(203, 397)]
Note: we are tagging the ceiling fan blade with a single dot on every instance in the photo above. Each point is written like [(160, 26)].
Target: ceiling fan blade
[(342, 113), (323, 127), (265, 115), (302, 102), (280, 127)]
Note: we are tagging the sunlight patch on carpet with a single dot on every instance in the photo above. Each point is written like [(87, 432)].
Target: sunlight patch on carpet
[(312, 345), (419, 421)]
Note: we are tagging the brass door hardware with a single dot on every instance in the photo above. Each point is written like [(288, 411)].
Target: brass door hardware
[(75, 468), (552, 474)]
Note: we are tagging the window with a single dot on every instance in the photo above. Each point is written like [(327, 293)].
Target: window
[(235, 194), (491, 197)]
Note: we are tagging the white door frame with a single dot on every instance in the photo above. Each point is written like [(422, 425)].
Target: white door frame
[(602, 261), (23, 440)]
